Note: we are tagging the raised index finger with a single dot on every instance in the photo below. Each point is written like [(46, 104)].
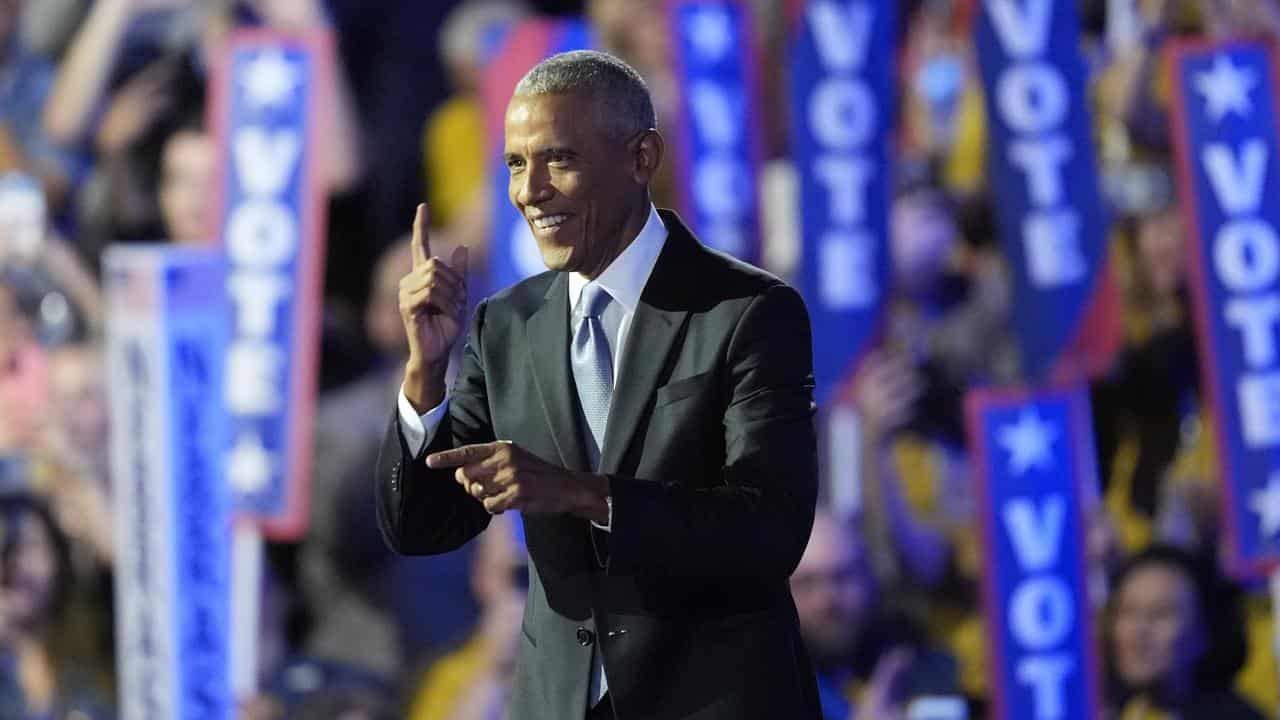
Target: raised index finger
[(465, 455), (421, 242)]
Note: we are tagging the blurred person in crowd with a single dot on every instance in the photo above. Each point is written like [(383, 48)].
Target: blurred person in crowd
[(637, 31), (72, 468), (1173, 640), (145, 64), (947, 331), (75, 446), (25, 83), (950, 308), (1136, 84), (457, 153), (69, 303), (294, 683), (662, 549), (1154, 448), (24, 366), (1155, 451), (1155, 445), (867, 655), (41, 676), (188, 162), (473, 682), (47, 297), (938, 78), (79, 431), (185, 51), (345, 568)]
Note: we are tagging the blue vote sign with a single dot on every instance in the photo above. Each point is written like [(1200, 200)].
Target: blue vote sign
[(1045, 184), (717, 153), (265, 114), (1033, 460), (842, 103), (1227, 147)]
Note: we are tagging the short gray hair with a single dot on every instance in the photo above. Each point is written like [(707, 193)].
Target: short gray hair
[(619, 90)]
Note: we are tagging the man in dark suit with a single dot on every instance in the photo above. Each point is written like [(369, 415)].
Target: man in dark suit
[(646, 405)]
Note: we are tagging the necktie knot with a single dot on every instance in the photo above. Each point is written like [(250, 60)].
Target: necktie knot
[(593, 302)]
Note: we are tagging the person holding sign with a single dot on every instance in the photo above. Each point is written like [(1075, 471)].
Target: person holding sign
[(647, 405)]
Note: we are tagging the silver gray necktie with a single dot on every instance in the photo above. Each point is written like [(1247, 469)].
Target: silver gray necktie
[(592, 364)]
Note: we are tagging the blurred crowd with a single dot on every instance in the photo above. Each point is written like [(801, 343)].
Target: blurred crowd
[(102, 141)]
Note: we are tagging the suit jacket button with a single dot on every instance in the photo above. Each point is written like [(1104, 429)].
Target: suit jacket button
[(585, 637)]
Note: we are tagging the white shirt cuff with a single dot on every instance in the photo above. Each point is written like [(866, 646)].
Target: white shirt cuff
[(418, 430)]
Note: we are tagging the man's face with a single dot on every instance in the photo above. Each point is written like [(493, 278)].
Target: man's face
[(1155, 627), (574, 181)]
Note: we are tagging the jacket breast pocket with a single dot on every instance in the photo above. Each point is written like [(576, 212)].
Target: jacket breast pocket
[(683, 388)]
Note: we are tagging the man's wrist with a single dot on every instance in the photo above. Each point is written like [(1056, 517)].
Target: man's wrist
[(596, 499), (424, 384)]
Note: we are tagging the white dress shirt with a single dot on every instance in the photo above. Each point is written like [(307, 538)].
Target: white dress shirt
[(624, 279)]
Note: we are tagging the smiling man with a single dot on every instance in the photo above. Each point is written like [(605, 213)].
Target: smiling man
[(646, 405)]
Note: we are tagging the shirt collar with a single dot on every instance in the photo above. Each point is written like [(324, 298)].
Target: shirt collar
[(625, 277)]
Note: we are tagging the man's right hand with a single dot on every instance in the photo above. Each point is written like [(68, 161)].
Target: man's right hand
[(433, 298)]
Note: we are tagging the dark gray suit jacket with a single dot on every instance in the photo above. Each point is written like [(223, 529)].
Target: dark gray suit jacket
[(711, 454)]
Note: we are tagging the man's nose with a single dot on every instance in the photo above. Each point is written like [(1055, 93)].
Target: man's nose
[(534, 187)]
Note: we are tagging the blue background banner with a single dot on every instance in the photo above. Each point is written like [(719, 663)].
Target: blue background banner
[(1227, 146), (1034, 462), (717, 153), (271, 225), (842, 105), (1051, 220)]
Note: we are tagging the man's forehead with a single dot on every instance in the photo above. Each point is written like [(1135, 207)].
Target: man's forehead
[(550, 114)]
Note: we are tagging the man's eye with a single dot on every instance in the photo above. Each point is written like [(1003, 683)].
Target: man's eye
[(514, 163), (559, 160)]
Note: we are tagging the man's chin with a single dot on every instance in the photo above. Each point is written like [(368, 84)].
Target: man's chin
[(559, 259)]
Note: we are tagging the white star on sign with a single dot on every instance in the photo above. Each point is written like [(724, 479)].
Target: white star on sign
[(249, 465), (1266, 503), (711, 34), (269, 79), (1225, 88), (1029, 442)]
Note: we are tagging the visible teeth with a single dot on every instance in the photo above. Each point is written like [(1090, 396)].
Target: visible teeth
[(549, 221)]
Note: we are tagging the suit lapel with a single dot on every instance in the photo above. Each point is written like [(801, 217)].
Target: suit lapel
[(548, 334), (658, 322)]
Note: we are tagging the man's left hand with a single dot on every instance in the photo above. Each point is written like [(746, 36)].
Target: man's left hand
[(503, 476)]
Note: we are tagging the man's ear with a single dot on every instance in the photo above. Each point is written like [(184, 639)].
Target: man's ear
[(650, 148)]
